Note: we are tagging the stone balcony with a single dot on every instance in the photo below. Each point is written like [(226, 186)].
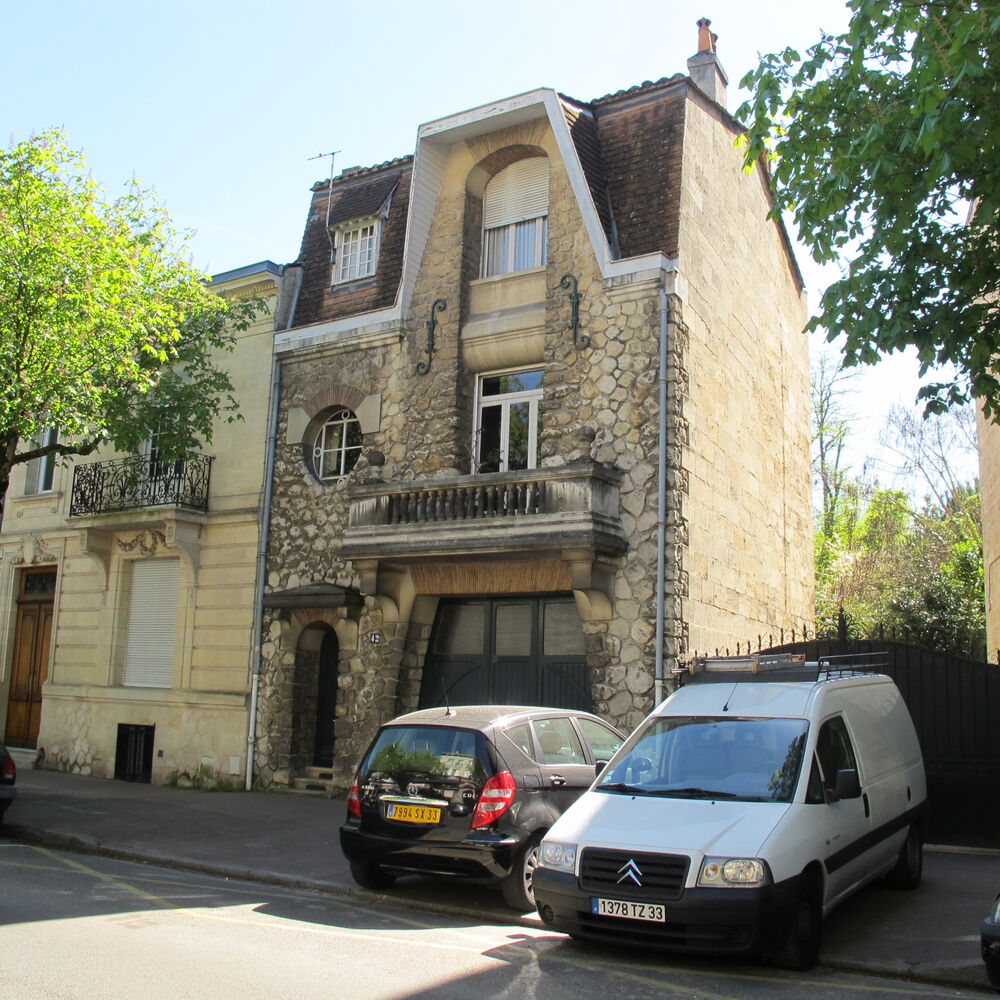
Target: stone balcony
[(563, 524)]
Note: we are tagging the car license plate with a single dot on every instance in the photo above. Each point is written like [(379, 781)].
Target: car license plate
[(412, 814), (628, 910)]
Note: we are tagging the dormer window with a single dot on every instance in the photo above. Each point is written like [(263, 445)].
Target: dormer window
[(515, 218), (356, 246)]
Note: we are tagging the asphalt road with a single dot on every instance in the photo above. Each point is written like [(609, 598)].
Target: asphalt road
[(95, 928)]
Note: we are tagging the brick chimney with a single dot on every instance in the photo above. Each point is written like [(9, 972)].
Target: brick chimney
[(704, 68)]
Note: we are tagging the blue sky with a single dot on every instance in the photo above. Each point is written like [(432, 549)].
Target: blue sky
[(220, 105)]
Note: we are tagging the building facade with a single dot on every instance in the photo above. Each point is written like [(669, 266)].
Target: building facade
[(988, 436), (543, 423), (129, 585)]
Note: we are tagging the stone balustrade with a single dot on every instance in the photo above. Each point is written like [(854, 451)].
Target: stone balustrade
[(571, 506)]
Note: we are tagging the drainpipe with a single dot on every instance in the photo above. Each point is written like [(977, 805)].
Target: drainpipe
[(661, 502), (264, 532), (258, 597)]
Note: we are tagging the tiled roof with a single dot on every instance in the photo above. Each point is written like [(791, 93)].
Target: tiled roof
[(583, 131), (630, 145), (354, 193)]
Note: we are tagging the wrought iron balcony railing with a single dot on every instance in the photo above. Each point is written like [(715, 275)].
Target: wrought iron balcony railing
[(139, 482)]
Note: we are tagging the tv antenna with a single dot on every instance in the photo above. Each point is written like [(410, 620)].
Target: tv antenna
[(329, 195)]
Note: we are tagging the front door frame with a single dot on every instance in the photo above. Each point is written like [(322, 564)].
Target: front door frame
[(30, 654)]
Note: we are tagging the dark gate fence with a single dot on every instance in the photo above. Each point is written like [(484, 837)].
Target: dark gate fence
[(955, 704)]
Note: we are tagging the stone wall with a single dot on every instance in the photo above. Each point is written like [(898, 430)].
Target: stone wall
[(989, 482), (748, 507)]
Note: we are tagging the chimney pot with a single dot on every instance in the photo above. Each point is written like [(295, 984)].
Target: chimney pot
[(706, 38)]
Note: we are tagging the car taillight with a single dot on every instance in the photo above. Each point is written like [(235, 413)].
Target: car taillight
[(354, 801), (8, 772), (497, 797)]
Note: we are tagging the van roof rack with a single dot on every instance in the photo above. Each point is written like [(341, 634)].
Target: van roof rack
[(778, 667)]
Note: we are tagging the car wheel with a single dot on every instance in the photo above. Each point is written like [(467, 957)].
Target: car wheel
[(371, 876), (910, 864), (518, 886), (799, 947)]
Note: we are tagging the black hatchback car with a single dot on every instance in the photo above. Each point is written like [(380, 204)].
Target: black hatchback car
[(469, 791), (8, 776)]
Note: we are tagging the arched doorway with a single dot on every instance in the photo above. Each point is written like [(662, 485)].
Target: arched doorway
[(317, 659), (326, 700)]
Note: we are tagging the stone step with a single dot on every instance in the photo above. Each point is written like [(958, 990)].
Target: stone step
[(321, 773), (315, 786), (24, 757)]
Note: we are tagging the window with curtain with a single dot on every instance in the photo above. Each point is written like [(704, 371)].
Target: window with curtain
[(515, 218)]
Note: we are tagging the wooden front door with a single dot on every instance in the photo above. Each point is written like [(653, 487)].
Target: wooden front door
[(32, 635)]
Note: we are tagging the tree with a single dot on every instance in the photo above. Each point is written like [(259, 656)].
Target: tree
[(879, 140), (831, 428), (106, 331), (886, 560)]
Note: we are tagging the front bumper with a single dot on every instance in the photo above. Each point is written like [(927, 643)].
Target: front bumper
[(991, 951), (720, 921), (484, 855)]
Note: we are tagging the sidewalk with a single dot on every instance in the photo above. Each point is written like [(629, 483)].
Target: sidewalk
[(931, 935)]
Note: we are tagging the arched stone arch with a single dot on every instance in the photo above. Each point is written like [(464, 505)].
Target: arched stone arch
[(493, 162)]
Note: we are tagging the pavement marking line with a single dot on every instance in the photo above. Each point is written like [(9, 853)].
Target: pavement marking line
[(652, 977), (290, 923), (109, 879)]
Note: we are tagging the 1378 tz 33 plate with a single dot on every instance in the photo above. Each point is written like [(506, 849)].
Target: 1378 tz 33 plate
[(628, 910)]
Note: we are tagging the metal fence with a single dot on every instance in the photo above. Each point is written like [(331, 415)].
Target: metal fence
[(955, 705)]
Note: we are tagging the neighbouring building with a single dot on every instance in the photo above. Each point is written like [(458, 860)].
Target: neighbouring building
[(128, 586), (543, 423), (988, 434)]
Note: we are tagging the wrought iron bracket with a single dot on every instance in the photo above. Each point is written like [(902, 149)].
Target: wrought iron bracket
[(423, 367), (581, 341)]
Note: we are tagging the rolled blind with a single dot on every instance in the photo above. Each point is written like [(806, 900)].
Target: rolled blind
[(518, 192), (152, 623)]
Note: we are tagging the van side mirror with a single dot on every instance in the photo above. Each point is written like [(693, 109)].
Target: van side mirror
[(598, 767), (847, 785)]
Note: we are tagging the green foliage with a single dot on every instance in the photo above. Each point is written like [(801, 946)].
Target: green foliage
[(917, 572), (106, 331), (879, 139)]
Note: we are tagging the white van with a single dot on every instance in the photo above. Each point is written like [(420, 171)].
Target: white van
[(741, 811)]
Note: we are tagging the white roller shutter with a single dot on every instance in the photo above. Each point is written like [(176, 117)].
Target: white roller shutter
[(152, 623), (520, 191)]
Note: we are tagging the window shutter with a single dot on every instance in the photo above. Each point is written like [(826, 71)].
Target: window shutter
[(31, 473), (152, 623), (520, 191)]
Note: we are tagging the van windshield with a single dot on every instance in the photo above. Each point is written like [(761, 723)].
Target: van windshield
[(746, 759)]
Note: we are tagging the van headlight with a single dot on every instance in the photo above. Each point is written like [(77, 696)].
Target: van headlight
[(734, 873), (561, 857)]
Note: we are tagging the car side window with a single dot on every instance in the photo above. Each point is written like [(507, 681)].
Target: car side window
[(834, 751), (559, 742), (520, 736), (814, 790), (603, 741)]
